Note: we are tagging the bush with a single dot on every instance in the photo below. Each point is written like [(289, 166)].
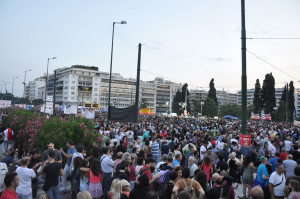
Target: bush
[(32, 131)]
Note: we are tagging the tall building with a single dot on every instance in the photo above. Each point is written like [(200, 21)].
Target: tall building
[(148, 92), (34, 88), (225, 98), (196, 94)]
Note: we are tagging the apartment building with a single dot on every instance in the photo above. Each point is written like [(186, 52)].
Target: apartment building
[(34, 87)]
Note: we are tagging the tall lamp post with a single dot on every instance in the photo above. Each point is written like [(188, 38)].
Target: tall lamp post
[(201, 103), (110, 72), (25, 82), (12, 90), (47, 81)]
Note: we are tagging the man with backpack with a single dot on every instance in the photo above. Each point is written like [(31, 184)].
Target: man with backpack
[(148, 168), (162, 177), (188, 185)]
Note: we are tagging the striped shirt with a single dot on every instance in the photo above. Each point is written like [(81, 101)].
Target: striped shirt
[(155, 149)]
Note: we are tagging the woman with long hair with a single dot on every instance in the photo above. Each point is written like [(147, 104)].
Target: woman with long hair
[(75, 177), (132, 173), (247, 178), (206, 166), (234, 164), (147, 149), (295, 187), (141, 188), (84, 175), (95, 187), (116, 190), (201, 177)]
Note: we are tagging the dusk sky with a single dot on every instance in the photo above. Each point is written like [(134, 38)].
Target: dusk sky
[(186, 41)]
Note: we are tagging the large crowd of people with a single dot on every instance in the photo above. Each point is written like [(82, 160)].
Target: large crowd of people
[(161, 157)]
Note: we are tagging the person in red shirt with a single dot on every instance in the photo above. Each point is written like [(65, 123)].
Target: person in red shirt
[(283, 154), (148, 168), (11, 182)]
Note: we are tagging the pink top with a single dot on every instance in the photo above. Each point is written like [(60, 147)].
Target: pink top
[(206, 170), (132, 173), (94, 179)]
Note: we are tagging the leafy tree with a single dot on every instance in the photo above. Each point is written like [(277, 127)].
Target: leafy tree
[(230, 109), (257, 100), (212, 93), (176, 108), (250, 110), (37, 102), (197, 106), (268, 96), (280, 114), (291, 100), (210, 108), (283, 95)]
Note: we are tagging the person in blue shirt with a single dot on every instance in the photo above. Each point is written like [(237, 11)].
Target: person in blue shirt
[(164, 148), (263, 176), (67, 168), (273, 161), (176, 161), (245, 150)]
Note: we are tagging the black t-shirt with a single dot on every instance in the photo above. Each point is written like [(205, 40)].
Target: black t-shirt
[(170, 187), (52, 171), (222, 166), (296, 155), (297, 178)]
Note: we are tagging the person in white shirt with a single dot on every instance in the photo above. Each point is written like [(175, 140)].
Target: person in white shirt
[(277, 182), (203, 150), (288, 144), (272, 148), (119, 137), (3, 172), (25, 175)]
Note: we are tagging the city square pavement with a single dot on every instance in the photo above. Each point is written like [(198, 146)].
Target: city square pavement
[(238, 192)]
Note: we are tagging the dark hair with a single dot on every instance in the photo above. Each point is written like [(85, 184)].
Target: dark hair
[(9, 178), (49, 142), (124, 164), (95, 167), (247, 160), (185, 172), (70, 142), (184, 195), (170, 159), (277, 154), (51, 154), (80, 148), (147, 143), (151, 195), (177, 156), (77, 162), (139, 161), (221, 157), (201, 178), (134, 149), (295, 147), (173, 175), (83, 164), (105, 150), (196, 172), (278, 165), (207, 160), (279, 161), (150, 160)]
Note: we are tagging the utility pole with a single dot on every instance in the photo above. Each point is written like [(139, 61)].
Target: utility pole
[(138, 83), (244, 71), (54, 93), (287, 103), (185, 98)]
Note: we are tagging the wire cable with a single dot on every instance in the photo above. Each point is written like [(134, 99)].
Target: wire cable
[(271, 38), (272, 65)]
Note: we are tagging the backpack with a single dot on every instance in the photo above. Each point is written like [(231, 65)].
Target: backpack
[(142, 171), (189, 189), (164, 176)]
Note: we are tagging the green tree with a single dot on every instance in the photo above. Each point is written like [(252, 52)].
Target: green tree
[(176, 108), (212, 93), (197, 105), (230, 109), (257, 100), (283, 95), (210, 108), (268, 96), (37, 102), (291, 100), (280, 114)]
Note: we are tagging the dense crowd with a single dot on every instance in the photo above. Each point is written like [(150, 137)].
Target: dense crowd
[(161, 157)]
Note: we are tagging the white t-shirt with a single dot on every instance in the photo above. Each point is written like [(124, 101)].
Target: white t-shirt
[(220, 145), (272, 148), (6, 133), (276, 179), (3, 171), (202, 149), (288, 145), (25, 175)]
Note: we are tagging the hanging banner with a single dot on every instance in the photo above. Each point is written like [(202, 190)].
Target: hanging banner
[(89, 114), (267, 117), (5, 103), (245, 139), (49, 98), (71, 110), (255, 116), (264, 117), (296, 123)]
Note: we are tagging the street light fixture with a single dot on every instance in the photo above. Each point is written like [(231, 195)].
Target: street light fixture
[(202, 103), (47, 80), (12, 90), (110, 72)]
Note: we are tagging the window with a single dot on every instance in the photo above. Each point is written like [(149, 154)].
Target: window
[(96, 84), (66, 82), (73, 93), (65, 98), (66, 88), (72, 98), (73, 87), (95, 89), (73, 82)]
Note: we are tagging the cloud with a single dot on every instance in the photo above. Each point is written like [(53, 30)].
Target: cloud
[(217, 59)]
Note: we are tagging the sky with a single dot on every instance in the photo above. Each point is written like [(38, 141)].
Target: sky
[(184, 41)]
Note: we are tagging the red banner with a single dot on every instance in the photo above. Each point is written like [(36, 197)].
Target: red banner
[(255, 116), (245, 139), (265, 117)]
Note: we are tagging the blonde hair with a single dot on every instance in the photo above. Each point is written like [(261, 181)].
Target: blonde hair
[(116, 189), (84, 195), (232, 155), (44, 196)]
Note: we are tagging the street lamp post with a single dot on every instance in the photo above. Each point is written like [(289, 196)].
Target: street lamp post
[(47, 80), (25, 82), (110, 73), (202, 103), (5, 86), (12, 89)]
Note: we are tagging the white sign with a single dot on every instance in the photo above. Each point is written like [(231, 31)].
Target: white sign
[(49, 105), (49, 98), (71, 110), (49, 111), (5, 103), (89, 114)]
